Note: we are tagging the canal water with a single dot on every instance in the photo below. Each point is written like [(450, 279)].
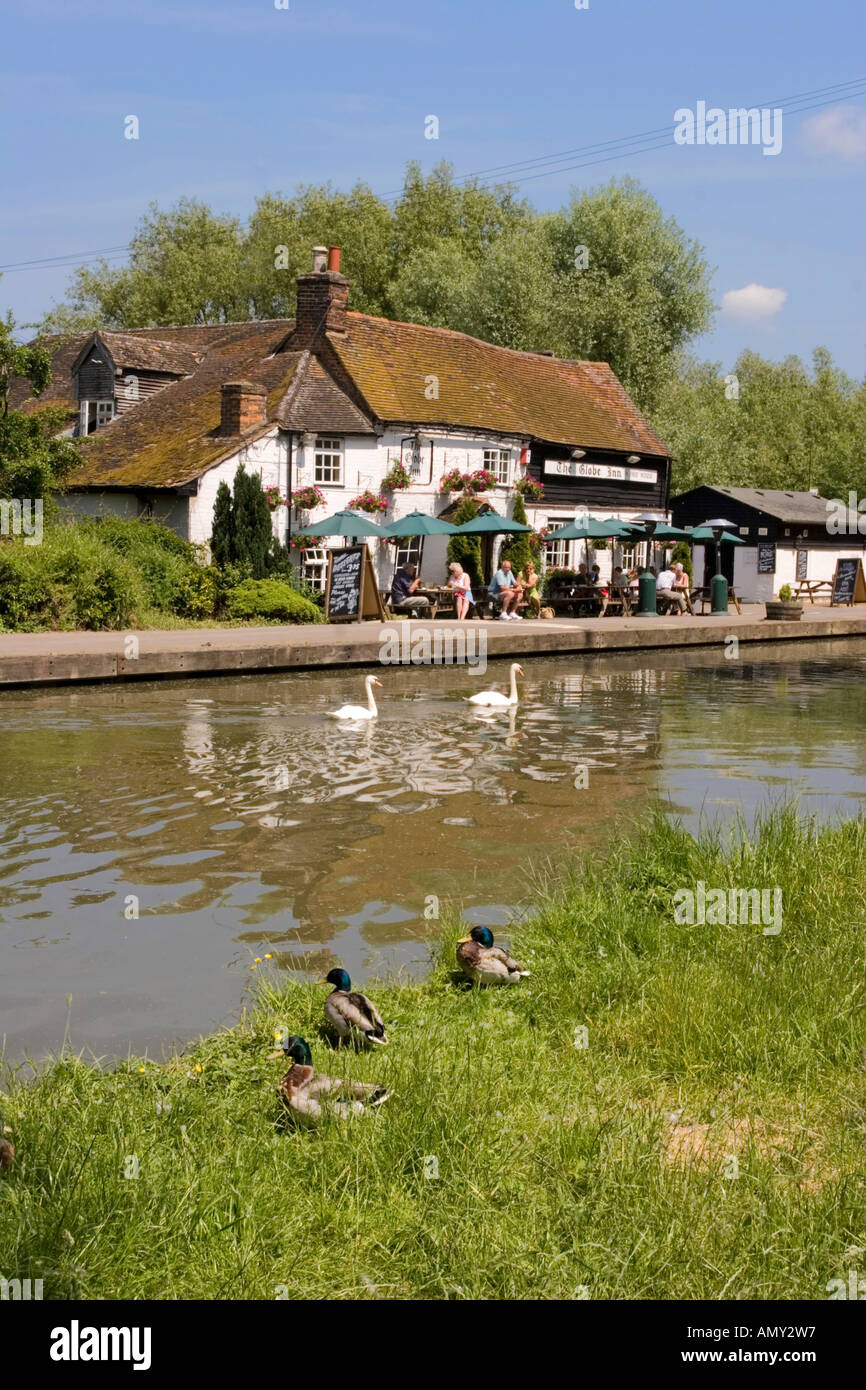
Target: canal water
[(155, 838)]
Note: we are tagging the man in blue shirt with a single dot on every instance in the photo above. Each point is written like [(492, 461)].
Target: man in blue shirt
[(508, 590), (403, 596)]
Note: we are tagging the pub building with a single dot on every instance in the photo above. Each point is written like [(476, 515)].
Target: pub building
[(788, 537)]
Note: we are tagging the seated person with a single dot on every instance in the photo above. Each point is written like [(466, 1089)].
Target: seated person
[(595, 575), (403, 596), (620, 578), (460, 582), (529, 579), (582, 575), (507, 590), (682, 579), (666, 588)]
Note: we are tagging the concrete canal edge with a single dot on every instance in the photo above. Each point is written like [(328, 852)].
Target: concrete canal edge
[(65, 658)]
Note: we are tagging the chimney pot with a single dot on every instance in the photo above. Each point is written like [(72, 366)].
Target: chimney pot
[(320, 259), (334, 259), (242, 405), (323, 299)]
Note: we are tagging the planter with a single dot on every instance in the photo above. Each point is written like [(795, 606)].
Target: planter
[(784, 612)]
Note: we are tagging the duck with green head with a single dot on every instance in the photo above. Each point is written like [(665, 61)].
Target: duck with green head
[(485, 963), (311, 1096), (351, 1015)]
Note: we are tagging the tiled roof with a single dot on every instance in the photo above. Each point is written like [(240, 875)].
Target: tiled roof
[(797, 508), (489, 388), (378, 372)]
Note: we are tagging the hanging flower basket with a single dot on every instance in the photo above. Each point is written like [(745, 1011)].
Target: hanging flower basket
[(274, 498), (371, 502), (481, 481), (530, 489), (398, 478), (303, 542), (307, 498), (455, 481)]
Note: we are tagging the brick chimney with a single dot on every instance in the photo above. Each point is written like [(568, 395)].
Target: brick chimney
[(323, 298), (242, 406)]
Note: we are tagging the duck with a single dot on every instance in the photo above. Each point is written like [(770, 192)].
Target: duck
[(7, 1154), (312, 1097), (351, 1015), (496, 698), (485, 963), (368, 711)]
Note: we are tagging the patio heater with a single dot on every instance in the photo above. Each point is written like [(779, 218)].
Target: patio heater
[(718, 583), (646, 587)]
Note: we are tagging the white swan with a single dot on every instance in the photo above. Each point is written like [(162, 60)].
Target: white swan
[(368, 711), (495, 697)]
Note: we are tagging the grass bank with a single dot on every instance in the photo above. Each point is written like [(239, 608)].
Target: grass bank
[(707, 1141)]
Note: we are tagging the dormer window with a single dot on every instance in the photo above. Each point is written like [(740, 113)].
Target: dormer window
[(95, 414)]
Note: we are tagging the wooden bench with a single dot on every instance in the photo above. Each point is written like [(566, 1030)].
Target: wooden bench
[(813, 587)]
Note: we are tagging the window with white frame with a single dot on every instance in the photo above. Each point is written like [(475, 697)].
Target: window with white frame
[(409, 552), (628, 556), (314, 567), (498, 462), (329, 461), (557, 554), (95, 414)]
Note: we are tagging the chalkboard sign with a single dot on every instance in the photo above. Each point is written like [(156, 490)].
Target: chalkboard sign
[(351, 591), (766, 557), (802, 564), (345, 581), (849, 585)]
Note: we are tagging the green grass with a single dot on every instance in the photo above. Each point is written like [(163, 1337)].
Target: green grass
[(561, 1168)]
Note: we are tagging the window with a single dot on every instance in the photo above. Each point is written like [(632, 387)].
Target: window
[(95, 414), (628, 556), (557, 554), (498, 462), (314, 567), (329, 461), (409, 552)]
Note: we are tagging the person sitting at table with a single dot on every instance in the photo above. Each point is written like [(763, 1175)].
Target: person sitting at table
[(582, 574), (595, 575), (529, 579), (620, 579), (462, 586), (682, 579), (666, 588), (507, 590), (403, 596)]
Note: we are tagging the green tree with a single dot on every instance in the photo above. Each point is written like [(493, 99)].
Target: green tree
[(251, 523), (466, 550), (682, 552), (33, 460), (222, 534), (516, 547)]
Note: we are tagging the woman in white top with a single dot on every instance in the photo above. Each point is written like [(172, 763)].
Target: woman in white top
[(461, 584)]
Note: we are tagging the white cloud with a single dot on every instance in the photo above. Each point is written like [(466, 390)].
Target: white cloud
[(753, 302), (840, 131)]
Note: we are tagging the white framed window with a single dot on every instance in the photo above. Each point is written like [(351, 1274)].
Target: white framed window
[(95, 414), (314, 567), (498, 462), (409, 552), (628, 556), (329, 461)]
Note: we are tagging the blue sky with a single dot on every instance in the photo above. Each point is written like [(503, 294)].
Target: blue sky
[(237, 97)]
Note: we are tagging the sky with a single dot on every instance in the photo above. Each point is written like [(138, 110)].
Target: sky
[(238, 97)]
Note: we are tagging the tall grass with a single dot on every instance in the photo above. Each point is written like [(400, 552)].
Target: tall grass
[(707, 1141)]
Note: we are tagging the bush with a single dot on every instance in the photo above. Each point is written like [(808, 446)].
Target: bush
[(271, 599), (683, 554), (466, 550), (71, 580)]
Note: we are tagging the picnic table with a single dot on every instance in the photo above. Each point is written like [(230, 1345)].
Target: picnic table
[(588, 600), (813, 587)]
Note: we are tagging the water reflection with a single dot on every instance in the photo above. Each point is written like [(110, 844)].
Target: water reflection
[(234, 817)]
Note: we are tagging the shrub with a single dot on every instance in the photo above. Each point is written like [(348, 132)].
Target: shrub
[(272, 599), (71, 580), (517, 547), (467, 549)]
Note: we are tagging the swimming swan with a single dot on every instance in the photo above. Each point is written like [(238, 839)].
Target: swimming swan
[(368, 711), (495, 697)]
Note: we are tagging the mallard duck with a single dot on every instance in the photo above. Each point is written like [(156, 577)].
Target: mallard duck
[(485, 963), (368, 711), (494, 698), (312, 1097), (351, 1015)]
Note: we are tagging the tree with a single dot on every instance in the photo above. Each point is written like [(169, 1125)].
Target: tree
[(222, 535), (33, 461), (251, 523), (682, 552), (466, 550), (766, 424), (517, 548)]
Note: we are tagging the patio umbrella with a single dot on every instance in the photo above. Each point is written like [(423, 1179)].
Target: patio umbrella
[(703, 533), (490, 524), (622, 530), (419, 524), (588, 530), (671, 533), (345, 523)]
